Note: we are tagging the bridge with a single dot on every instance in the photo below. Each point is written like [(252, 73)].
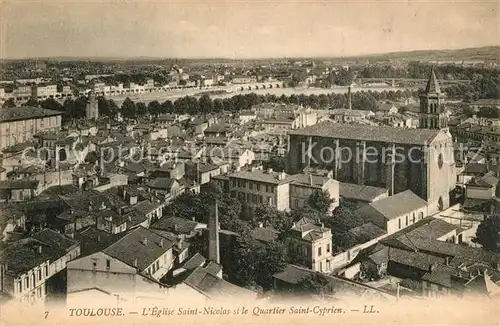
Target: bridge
[(256, 86)]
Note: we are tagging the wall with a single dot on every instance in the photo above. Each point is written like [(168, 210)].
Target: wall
[(283, 197)]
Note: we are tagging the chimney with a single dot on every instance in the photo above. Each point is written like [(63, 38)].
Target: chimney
[(181, 243), (269, 171), (310, 179), (98, 238), (213, 234), (261, 225), (39, 249), (349, 101), (431, 268), (145, 241), (498, 266), (447, 261), (161, 242), (193, 219), (135, 262)]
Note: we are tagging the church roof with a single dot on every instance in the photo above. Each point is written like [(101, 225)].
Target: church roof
[(432, 84), (369, 133)]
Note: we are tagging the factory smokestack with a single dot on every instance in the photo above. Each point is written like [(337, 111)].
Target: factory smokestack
[(349, 100), (213, 229)]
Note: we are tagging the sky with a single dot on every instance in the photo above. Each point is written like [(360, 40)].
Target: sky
[(241, 29)]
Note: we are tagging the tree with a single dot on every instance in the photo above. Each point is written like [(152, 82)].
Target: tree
[(69, 109), (269, 260), (128, 109), (80, 106), (31, 102), (320, 200), (271, 216), (113, 108), (314, 284), (51, 104), (342, 220), (141, 109), (9, 103), (154, 108), (167, 107), (344, 77), (103, 106), (206, 104), (488, 233), (277, 163)]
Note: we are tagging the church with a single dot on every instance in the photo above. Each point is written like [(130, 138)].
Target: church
[(398, 159)]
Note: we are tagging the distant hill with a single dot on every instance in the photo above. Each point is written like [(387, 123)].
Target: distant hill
[(488, 53)]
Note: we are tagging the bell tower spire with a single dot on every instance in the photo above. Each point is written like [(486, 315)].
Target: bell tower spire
[(432, 110)]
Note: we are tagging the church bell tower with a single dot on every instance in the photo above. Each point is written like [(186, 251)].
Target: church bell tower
[(92, 108), (432, 110)]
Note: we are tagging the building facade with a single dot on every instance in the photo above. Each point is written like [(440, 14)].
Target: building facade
[(19, 126), (397, 159)]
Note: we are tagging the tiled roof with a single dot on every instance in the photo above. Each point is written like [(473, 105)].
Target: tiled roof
[(132, 246), (161, 183), (369, 133), (175, 224), (311, 180), (368, 230), (203, 280), (93, 240), (194, 262), (395, 206), (432, 83), (23, 255), (55, 239), (292, 274), (261, 176), (19, 184), (360, 192), (145, 207), (25, 112)]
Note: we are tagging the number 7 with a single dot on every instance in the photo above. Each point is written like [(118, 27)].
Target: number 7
[(46, 314)]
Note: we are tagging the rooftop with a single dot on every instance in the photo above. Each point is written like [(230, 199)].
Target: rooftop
[(369, 133), (395, 206), (360, 192), (176, 224), (141, 244), (25, 112), (263, 176)]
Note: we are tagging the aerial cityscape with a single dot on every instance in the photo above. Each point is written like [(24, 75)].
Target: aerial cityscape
[(317, 165)]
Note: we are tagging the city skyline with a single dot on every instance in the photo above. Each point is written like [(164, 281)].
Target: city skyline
[(242, 30)]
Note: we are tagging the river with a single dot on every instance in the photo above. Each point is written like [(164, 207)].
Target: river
[(177, 93)]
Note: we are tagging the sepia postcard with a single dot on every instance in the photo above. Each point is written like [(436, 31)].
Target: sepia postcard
[(249, 162)]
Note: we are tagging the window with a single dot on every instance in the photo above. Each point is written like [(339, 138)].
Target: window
[(258, 186), (319, 251), (327, 247), (399, 223), (27, 282), (406, 220), (20, 287), (413, 218), (108, 263), (250, 185), (39, 274), (46, 270)]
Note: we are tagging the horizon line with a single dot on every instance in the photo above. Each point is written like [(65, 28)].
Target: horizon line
[(145, 57)]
